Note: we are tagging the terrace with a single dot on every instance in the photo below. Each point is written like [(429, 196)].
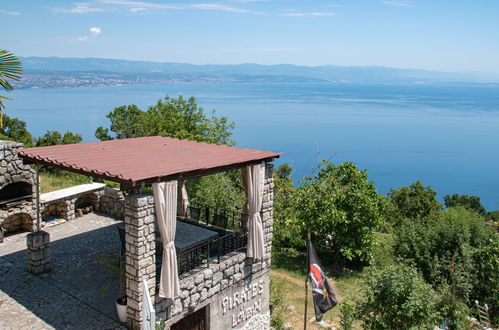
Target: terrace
[(162, 233)]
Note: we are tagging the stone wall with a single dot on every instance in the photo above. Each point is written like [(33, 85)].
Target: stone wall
[(112, 202), (234, 273), (140, 253), (13, 170)]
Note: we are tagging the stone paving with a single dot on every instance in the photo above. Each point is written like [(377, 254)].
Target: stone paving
[(78, 293)]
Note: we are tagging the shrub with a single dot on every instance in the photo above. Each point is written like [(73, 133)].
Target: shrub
[(397, 297), (414, 202), (341, 208), (347, 313), (456, 250)]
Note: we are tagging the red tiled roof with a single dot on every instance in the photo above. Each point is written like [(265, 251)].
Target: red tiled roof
[(144, 159)]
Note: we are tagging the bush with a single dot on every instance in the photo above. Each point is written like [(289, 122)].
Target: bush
[(453, 313), (456, 250), (397, 297), (414, 202), (347, 313), (341, 208)]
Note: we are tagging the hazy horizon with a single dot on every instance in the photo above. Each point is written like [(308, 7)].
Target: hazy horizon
[(446, 36)]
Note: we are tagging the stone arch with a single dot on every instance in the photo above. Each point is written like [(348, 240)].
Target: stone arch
[(10, 178), (16, 189), (87, 202), (17, 222), (55, 210)]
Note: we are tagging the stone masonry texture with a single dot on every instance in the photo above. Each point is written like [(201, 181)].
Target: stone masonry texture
[(205, 286), (12, 170)]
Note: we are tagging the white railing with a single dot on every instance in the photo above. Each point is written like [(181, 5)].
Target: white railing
[(148, 313)]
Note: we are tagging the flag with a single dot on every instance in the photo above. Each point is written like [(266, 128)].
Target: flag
[(322, 293)]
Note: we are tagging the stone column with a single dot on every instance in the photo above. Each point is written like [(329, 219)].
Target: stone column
[(268, 211), (140, 254), (38, 244)]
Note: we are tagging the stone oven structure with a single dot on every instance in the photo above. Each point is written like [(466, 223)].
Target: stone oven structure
[(17, 190)]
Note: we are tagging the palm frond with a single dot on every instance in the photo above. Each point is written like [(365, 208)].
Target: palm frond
[(6, 85), (10, 68)]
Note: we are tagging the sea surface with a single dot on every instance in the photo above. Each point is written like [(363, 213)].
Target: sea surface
[(447, 136)]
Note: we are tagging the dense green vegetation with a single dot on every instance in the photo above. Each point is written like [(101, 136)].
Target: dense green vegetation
[(428, 266)]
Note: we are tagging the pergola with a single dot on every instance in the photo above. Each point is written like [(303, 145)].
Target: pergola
[(159, 162)]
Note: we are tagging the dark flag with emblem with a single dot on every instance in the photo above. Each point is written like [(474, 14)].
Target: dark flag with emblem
[(323, 294)]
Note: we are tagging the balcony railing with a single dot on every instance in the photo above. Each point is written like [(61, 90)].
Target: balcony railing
[(211, 252), (218, 218), (232, 237)]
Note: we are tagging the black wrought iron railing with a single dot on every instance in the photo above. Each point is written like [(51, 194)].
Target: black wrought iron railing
[(215, 217), (212, 251)]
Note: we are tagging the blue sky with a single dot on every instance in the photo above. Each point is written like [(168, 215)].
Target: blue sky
[(425, 34)]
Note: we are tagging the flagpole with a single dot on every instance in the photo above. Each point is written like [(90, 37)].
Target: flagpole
[(306, 282)]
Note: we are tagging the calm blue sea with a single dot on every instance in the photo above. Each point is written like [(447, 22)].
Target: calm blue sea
[(447, 136)]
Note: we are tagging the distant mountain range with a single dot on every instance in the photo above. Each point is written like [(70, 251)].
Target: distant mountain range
[(46, 72)]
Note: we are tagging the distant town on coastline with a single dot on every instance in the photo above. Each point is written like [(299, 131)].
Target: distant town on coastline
[(55, 72)]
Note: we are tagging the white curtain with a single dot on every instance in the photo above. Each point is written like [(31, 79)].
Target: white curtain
[(165, 200), (184, 200), (253, 179)]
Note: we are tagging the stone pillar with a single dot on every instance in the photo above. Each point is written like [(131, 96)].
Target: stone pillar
[(140, 254), (38, 244), (268, 211)]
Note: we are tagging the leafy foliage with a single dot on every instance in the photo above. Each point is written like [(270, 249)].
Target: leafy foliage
[(414, 202), (469, 202), (456, 250), (178, 118), (287, 230), (348, 310), (397, 297), (15, 130), (52, 138), (341, 208), (220, 190)]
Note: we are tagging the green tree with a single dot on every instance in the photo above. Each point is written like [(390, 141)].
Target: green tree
[(414, 202), (10, 68), (341, 208), (397, 297), (52, 138), (221, 190), (469, 202), (287, 229), (15, 130), (173, 117)]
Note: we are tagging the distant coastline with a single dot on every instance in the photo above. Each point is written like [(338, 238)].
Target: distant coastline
[(54, 72)]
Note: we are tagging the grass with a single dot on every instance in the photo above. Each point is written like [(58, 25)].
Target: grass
[(60, 180), (288, 272)]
